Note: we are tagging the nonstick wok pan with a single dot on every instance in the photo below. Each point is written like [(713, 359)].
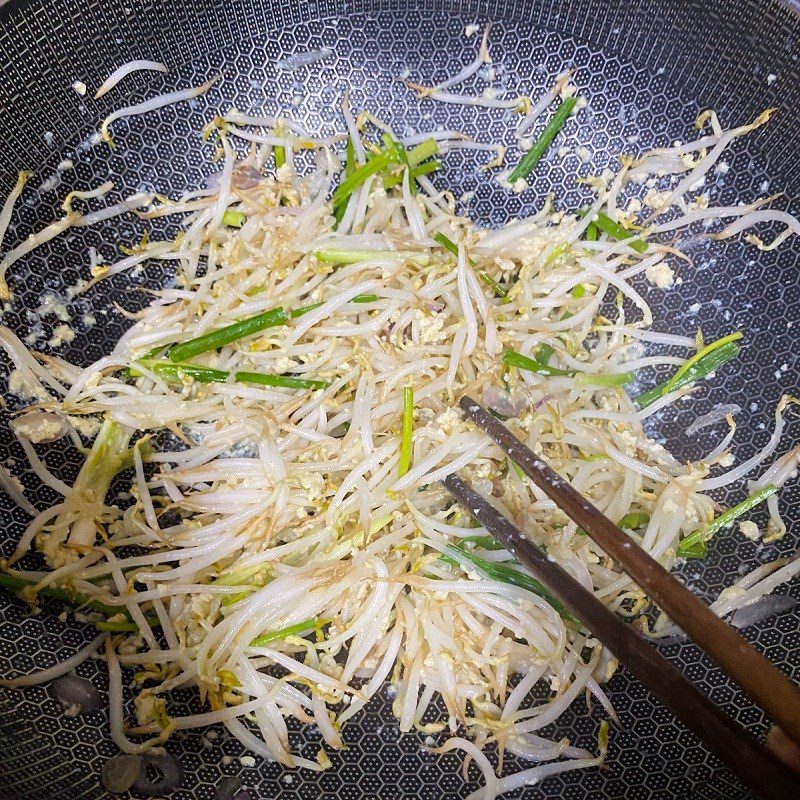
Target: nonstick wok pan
[(646, 67)]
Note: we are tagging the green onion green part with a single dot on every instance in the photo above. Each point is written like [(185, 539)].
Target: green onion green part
[(541, 145), (540, 363), (513, 359), (594, 457), (489, 281), (239, 576), (705, 361), (603, 381), (291, 630), (230, 333), (557, 252), (279, 152), (299, 312), (634, 520), (422, 151), (578, 291), (484, 542), (613, 229), (15, 584), (544, 353), (359, 176), (695, 544), (174, 371), (407, 431), (393, 146), (233, 219), (505, 574), (332, 256), (338, 214), (242, 329), (447, 243), (395, 179), (246, 577)]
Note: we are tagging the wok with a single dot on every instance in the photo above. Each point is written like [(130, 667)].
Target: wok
[(646, 67)]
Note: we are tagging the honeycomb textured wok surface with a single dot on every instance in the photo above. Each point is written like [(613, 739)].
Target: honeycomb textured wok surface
[(646, 68)]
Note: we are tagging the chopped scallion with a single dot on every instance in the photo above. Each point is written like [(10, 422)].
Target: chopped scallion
[(233, 219), (603, 381), (407, 431), (175, 371), (484, 542), (422, 151), (395, 179), (239, 576), (556, 253), (447, 243), (489, 281), (290, 630), (331, 256), (505, 574), (513, 359), (242, 329), (16, 584), (299, 312), (695, 544), (540, 364), (230, 333), (360, 175), (541, 145), (634, 520), (544, 353), (700, 365), (614, 230)]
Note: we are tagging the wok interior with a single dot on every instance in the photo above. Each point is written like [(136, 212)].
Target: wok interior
[(646, 69)]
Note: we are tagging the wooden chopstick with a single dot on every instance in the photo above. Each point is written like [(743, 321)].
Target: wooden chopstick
[(766, 776)]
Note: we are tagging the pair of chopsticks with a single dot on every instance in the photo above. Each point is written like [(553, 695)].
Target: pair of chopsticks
[(761, 680)]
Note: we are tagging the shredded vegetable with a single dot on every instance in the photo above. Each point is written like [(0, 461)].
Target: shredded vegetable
[(30, 591), (260, 513), (126, 69)]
